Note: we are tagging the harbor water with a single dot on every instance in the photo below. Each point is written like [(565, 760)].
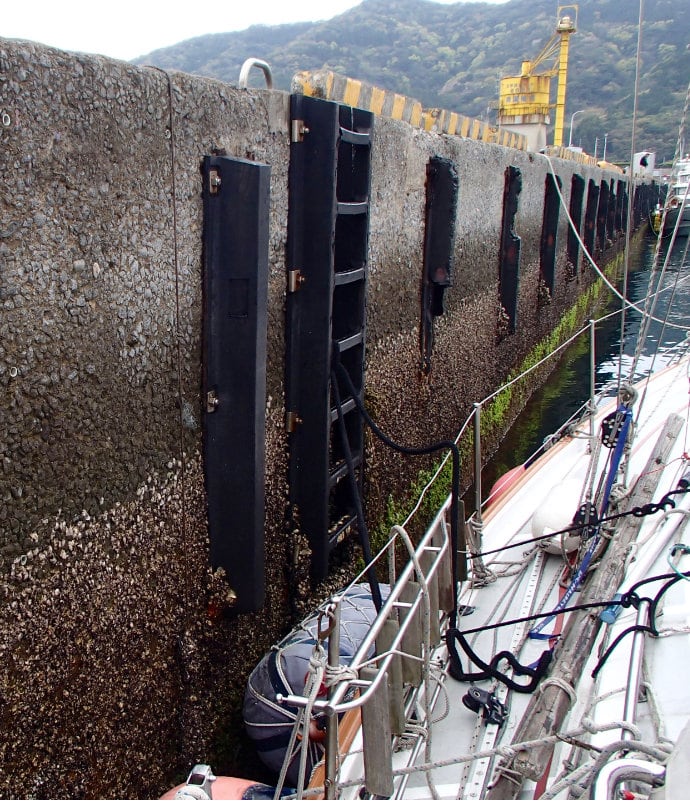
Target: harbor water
[(567, 388)]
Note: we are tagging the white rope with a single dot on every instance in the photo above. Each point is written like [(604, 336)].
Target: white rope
[(658, 752), (567, 781), (592, 727), (653, 705), (523, 746), (335, 674), (443, 691), (317, 667), (636, 545), (317, 664), (566, 687)]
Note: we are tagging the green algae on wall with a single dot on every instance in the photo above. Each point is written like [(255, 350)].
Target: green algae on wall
[(497, 415)]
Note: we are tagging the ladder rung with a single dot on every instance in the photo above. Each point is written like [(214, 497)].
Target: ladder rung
[(340, 471), (338, 531), (346, 406), (350, 342), (335, 476), (348, 276), (356, 207), (355, 137)]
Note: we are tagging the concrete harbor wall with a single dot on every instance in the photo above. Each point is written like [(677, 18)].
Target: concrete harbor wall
[(120, 661)]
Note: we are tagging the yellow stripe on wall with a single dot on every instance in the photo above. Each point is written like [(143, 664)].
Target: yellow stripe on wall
[(398, 107), (377, 98), (416, 115), (352, 90)]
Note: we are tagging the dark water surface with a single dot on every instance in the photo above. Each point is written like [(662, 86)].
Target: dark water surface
[(568, 386)]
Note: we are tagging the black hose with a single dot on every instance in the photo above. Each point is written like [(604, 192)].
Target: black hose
[(354, 487), (444, 445)]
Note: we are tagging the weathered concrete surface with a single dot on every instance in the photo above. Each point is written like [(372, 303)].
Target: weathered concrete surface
[(118, 666)]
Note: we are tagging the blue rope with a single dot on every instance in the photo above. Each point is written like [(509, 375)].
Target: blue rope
[(579, 575)]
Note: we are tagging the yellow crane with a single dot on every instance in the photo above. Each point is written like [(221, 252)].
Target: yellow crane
[(525, 100)]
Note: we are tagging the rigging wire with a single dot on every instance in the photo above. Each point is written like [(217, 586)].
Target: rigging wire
[(646, 320), (628, 228), (629, 304)]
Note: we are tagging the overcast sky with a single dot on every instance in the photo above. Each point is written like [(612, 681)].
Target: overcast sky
[(125, 29)]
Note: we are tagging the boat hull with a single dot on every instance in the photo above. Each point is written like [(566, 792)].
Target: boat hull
[(677, 206), (672, 215)]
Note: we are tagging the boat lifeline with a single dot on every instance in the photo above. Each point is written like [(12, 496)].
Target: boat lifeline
[(558, 666), (547, 661)]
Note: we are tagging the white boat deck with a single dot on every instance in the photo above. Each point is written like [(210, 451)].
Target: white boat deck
[(527, 581)]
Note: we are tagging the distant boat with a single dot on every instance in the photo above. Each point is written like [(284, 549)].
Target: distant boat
[(676, 209)]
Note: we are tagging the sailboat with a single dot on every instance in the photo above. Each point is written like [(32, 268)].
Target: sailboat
[(557, 666), (536, 650)]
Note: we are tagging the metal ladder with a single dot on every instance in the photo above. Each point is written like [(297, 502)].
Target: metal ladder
[(327, 259)]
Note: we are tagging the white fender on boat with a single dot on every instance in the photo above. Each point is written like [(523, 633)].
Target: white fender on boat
[(557, 512)]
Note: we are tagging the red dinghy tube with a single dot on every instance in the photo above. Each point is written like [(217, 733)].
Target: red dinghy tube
[(203, 784), (504, 483)]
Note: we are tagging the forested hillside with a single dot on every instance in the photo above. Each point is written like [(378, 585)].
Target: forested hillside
[(452, 56)]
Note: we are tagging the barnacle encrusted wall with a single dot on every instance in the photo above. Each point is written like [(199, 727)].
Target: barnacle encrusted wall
[(120, 661), (109, 612)]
